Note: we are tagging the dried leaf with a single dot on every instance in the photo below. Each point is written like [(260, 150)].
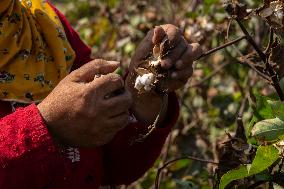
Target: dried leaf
[(273, 13), (156, 51), (141, 71), (238, 10), (266, 12), (276, 58)]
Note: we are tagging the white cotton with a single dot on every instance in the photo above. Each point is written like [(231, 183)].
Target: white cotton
[(138, 83), (155, 63), (145, 81)]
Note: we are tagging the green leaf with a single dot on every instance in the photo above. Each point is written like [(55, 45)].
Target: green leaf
[(277, 108), (269, 129), (264, 158), (263, 109), (232, 175)]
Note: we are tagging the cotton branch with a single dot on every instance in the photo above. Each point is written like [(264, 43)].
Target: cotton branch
[(221, 47), (264, 58)]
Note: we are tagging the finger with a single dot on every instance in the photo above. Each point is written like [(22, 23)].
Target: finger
[(119, 104), (143, 49), (159, 34), (107, 84), (88, 71), (192, 53), (174, 55), (173, 85), (182, 75), (173, 33), (119, 122)]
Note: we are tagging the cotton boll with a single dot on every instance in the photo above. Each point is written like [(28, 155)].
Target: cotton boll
[(155, 63), (145, 81), (138, 83), (148, 79), (151, 78)]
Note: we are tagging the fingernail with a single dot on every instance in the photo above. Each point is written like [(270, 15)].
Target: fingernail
[(114, 62), (174, 75)]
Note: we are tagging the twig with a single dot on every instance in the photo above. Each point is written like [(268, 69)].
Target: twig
[(251, 41), (228, 29), (221, 47), (250, 64), (240, 132), (177, 159), (165, 154), (168, 145), (270, 42), (264, 58)]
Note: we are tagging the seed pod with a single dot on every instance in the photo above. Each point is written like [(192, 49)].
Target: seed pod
[(149, 72)]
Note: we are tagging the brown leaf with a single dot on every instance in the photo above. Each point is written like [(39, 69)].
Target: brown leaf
[(273, 13), (276, 58), (238, 10)]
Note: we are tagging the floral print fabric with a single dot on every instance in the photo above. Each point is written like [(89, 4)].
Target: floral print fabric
[(34, 51)]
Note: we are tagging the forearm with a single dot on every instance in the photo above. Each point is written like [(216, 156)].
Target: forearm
[(26, 150)]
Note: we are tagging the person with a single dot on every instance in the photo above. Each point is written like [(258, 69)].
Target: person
[(61, 126)]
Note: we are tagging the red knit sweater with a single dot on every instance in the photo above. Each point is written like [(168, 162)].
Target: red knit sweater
[(30, 159)]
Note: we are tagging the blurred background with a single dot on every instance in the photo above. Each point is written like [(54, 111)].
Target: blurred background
[(211, 99)]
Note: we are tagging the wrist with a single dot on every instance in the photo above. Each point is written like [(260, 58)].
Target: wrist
[(147, 106)]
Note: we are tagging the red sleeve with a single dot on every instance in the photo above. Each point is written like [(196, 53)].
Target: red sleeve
[(27, 151), (125, 162)]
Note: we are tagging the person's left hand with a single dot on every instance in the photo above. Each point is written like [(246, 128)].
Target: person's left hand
[(178, 61)]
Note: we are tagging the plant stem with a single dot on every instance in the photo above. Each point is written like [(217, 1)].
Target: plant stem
[(251, 41), (264, 58), (270, 42), (221, 47)]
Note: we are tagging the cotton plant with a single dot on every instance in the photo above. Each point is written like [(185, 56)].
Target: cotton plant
[(148, 73)]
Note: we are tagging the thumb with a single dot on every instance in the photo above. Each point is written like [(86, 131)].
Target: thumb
[(96, 67), (159, 34)]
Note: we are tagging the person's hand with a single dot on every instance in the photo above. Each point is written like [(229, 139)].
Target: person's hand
[(88, 107), (178, 60)]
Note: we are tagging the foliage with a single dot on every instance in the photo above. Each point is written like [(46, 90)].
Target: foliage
[(216, 124), (265, 157)]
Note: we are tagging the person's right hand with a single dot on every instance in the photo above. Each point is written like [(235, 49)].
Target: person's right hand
[(84, 110)]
